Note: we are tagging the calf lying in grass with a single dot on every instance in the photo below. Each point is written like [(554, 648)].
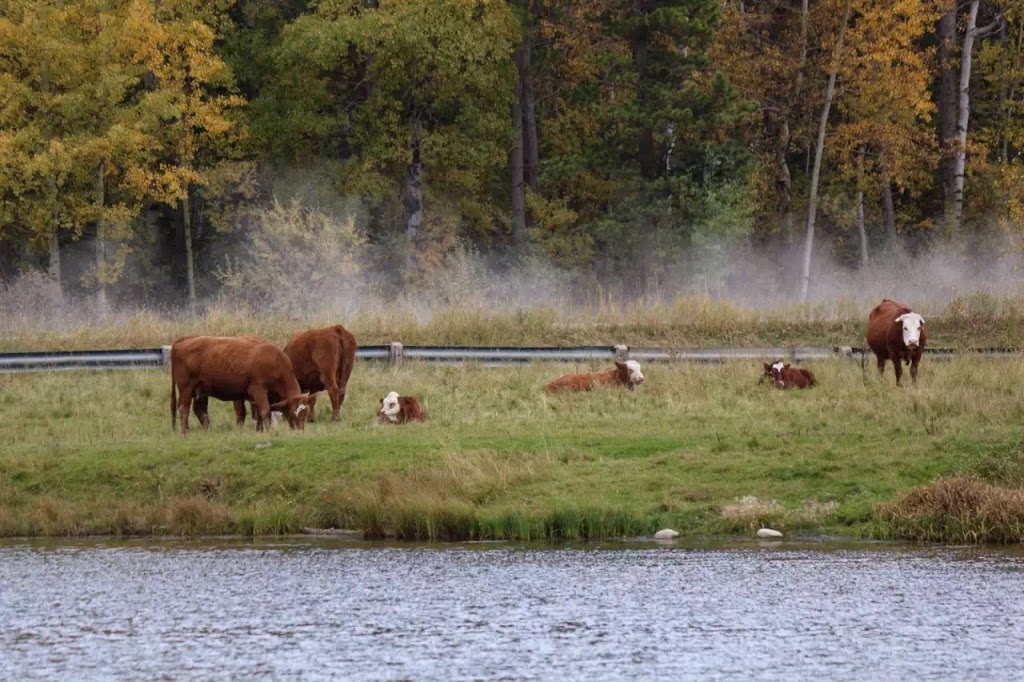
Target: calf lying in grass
[(400, 409), (784, 376), (623, 374)]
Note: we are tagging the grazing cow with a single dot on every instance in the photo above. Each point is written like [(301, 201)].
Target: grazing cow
[(897, 333), (400, 409), (234, 368), (784, 376), (623, 374)]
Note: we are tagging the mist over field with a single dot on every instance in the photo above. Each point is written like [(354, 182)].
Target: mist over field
[(332, 272)]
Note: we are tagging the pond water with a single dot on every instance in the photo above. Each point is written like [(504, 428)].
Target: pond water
[(318, 609)]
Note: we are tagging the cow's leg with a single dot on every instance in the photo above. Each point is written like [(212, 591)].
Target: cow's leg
[(337, 398), (201, 407), (312, 408), (897, 365), (913, 368), (881, 365), (261, 409), (184, 405), (239, 412)]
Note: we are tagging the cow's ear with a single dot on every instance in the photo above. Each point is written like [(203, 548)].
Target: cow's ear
[(381, 401), (767, 367), (280, 406), (899, 320), (620, 365), (785, 366)]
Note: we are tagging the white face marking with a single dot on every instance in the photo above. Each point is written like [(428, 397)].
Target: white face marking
[(777, 368), (911, 329), (299, 409), (389, 408), (635, 375), (275, 417)]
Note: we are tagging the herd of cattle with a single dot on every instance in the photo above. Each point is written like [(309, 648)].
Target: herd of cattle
[(250, 369)]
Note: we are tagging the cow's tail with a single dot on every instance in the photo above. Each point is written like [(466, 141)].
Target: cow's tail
[(174, 403)]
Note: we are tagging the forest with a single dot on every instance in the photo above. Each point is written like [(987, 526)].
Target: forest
[(170, 153)]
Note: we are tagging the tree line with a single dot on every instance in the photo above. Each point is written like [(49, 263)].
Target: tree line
[(153, 149)]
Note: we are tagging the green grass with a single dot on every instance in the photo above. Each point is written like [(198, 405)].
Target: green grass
[(701, 449)]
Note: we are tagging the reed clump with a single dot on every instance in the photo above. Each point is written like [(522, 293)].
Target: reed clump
[(956, 509)]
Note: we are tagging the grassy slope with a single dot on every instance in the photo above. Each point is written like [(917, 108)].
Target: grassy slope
[(93, 453)]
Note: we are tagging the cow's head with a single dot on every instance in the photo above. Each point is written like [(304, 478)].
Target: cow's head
[(389, 407), (775, 370), (295, 410), (629, 373), (912, 324)]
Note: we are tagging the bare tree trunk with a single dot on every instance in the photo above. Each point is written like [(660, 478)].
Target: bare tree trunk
[(516, 162), (960, 158), (531, 172), (947, 114), (889, 214), (101, 284), (861, 229), (53, 248), (190, 271), (812, 201), (414, 199)]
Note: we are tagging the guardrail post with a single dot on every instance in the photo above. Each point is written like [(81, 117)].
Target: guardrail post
[(844, 351), (621, 352), (395, 352), (165, 353)]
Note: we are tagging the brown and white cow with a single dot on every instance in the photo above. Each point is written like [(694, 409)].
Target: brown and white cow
[(400, 409), (897, 333), (623, 374), (234, 368), (784, 376)]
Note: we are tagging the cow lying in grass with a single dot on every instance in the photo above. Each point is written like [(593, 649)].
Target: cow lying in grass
[(400, 409), (626, 374), (784, 376)]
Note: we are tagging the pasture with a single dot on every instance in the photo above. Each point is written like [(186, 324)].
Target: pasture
[(702, 449)]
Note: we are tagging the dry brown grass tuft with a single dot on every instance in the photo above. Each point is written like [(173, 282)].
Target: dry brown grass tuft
[(957, 509)]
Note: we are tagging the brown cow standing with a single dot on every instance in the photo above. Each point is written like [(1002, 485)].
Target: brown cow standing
[(234, 368), (400, 409), (784, 376), (322, 359), (623, 374), (897, 333)]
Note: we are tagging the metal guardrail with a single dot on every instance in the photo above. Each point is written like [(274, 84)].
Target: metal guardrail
[(487, 356)]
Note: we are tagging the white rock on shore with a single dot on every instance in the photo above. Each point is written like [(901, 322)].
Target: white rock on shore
[(666, 534), (768, 533)]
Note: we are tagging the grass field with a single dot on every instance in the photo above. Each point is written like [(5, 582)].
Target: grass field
[(702, 449)]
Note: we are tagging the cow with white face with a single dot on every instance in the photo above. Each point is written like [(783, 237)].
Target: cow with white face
[(626, 374), (400, 409), (897, 333)]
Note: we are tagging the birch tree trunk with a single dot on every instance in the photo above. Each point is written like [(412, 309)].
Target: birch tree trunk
[(101, 284), (861, 230), (889, 215), (960, 158), (516, 161), (812, 201), (53, 249), (531, 172), (946, 101), (414, 199), (190, 270)]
